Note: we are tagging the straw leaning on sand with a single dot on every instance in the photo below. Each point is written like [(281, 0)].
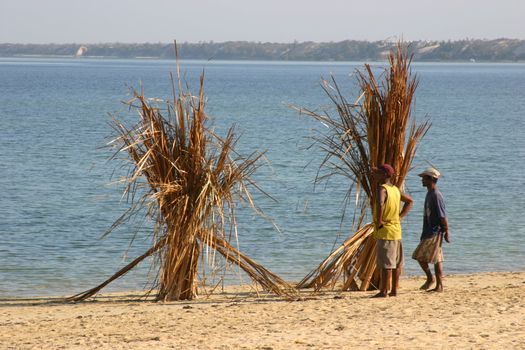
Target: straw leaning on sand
[(361, 135), (187, 179)]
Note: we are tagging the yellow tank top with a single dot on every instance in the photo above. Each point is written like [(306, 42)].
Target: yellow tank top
[(391, 229)]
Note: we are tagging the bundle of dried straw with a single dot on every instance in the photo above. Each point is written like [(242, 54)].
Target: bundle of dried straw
[(377, 129), (188, 179)]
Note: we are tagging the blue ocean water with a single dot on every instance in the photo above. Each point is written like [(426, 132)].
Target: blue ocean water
[(55, 177)]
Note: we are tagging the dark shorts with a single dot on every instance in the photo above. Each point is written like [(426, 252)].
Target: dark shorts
[(389, 254)]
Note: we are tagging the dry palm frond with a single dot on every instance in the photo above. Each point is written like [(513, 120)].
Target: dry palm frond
[(188, 179), (364, 134), (344, 259)]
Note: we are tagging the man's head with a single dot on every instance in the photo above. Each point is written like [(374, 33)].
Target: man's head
[(383, 172), (429, 176)]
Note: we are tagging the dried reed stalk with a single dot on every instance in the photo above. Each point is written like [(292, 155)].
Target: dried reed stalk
[(188, 180), (364, 134)]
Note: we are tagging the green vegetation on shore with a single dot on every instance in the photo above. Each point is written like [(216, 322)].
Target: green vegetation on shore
[(498, 50)]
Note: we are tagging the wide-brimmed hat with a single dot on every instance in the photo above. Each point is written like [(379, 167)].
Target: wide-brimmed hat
[(385, 169), (430, 172)]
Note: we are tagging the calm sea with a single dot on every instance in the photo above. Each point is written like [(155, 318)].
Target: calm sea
[(55, 176)]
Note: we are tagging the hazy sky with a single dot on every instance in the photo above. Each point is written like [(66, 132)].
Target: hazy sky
[(95, 21)]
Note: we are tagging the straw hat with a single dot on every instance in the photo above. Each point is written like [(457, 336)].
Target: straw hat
[(431, 172)]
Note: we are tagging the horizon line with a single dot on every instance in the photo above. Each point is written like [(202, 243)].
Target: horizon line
[(259, 41)]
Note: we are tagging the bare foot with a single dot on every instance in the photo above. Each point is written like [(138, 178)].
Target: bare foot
[(427, 284), (393, 294), (438, 289), (380, 295)]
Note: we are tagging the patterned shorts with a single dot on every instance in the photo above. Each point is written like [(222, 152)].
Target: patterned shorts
[(429, 250)]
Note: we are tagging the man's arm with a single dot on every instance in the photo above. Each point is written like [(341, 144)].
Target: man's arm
[(443, 216), (381, 198), (444, 227), (408, 203)]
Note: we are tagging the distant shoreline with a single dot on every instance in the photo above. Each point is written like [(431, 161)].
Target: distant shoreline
[(247, 60), (469, 50)]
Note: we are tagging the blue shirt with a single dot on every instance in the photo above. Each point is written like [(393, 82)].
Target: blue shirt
[(434, 212)]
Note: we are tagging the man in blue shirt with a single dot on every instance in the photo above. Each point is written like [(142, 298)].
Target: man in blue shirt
[(435, 228)]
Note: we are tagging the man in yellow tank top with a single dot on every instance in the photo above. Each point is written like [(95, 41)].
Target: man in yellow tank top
[(387, 220)]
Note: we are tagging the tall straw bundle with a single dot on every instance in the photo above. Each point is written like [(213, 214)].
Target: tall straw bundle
[(364, 134), (187, 179)]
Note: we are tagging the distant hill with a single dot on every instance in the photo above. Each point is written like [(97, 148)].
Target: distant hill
[(499, 50)]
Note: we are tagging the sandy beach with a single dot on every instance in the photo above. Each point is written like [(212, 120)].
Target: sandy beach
[(477, 311)]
